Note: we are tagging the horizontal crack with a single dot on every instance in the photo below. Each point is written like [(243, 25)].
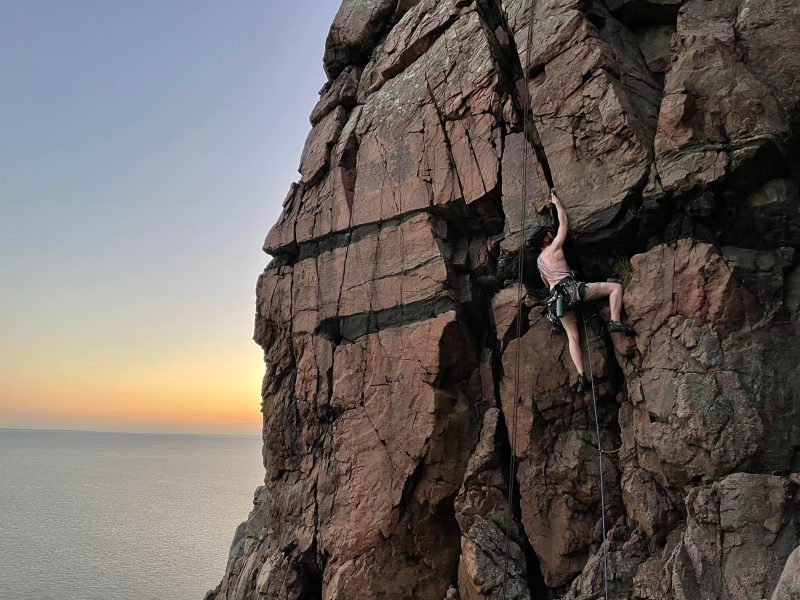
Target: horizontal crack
[(349, 328)]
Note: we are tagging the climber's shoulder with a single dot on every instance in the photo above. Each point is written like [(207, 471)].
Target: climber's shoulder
[(553, 253)]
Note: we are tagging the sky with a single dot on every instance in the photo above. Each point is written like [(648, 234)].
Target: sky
[(146, 149)]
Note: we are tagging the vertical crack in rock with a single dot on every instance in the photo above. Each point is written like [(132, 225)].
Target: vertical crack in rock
[(448, 144)]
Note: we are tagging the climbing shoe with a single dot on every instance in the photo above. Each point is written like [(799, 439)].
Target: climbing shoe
[(583, 383), (616, 326)]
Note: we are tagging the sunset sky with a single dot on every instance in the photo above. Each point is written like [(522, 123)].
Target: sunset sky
[(147, 148)]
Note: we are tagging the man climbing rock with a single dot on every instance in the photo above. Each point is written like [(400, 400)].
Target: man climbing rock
[(556, 273)]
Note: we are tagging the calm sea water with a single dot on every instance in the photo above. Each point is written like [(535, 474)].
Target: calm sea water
[(109, 516)]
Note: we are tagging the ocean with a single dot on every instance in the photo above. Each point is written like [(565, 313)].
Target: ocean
[(116, 516)]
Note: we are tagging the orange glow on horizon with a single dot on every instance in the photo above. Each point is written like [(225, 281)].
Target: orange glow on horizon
[(189, 393)]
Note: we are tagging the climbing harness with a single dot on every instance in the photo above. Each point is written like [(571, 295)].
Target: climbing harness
[(564, 297)]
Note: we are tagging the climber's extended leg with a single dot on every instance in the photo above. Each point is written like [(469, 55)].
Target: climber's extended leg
[(570, 323), (613, 291)]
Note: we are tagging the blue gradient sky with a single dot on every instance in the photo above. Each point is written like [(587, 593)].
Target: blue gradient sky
[(147, 147)]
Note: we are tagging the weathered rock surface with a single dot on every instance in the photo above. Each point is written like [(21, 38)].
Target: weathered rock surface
[(556, 448), (788, 587), (356, 28), (402, 374), (738, 532), (593, 117), (483, 513), (703, 394), (726, 102)]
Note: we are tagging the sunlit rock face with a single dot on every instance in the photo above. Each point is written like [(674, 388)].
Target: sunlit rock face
[(402, 373)]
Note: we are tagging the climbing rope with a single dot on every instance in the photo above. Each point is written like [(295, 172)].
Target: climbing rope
[(517, 357), (520, 272), (600, 453)]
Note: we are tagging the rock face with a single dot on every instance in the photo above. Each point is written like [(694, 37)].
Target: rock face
[(405, 367)]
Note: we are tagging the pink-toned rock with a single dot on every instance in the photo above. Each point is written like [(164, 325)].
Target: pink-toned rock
[(504, 313), (591, 123), (483, 514), (767, 31), (379, 516), (354, 31), (647, 503), (626, 549), (556, 445), (537, 192), (339, 92), (430, 136), (698, 409), (655, 42), (367, 275), (317, 150), (722, 105), (410, 39)]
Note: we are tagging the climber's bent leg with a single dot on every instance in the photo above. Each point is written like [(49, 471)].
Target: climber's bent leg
[(612, 291), (594, 291)]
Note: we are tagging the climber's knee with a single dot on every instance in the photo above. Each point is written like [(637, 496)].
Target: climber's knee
[(571, 327), (597, 290)]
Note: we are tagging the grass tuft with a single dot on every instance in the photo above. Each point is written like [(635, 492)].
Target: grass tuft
[(623, 271)]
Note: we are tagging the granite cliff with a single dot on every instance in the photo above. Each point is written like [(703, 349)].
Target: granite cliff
[(388, 314)]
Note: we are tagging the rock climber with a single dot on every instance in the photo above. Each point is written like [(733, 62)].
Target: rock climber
[(554, 270)]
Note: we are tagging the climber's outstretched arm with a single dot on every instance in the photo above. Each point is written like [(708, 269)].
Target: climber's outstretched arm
[(563, 221)]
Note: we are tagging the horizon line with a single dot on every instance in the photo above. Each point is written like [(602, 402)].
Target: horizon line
[(129, 432)]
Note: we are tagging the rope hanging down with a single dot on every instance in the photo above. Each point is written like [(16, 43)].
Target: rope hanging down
[(599, 460), (520, 274), (520, 271)]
